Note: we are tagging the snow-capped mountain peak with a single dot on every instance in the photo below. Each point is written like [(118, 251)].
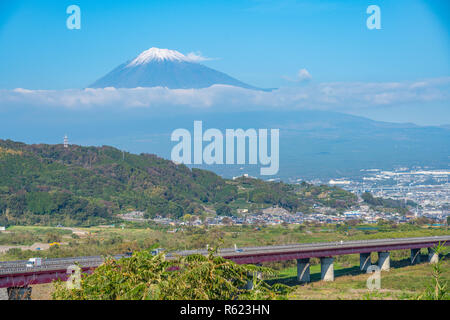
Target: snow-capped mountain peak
[(165, 68), (157, 54)]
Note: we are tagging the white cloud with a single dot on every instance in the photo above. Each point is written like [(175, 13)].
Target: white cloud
[(303, 75), (197, 57), (336, 96)]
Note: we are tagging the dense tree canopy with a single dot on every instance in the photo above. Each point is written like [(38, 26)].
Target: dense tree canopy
[(399, 205), (50, 184), (85, 185)]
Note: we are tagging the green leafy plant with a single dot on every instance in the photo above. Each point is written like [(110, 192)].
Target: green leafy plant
[(438, 289), (153, 277)]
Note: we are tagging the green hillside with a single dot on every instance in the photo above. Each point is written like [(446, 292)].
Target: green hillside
[(50, 184)]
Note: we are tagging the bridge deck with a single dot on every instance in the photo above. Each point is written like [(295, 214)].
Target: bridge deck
[(16, 272)]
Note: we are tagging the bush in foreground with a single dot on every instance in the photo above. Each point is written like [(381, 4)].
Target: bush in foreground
[(147, 277)]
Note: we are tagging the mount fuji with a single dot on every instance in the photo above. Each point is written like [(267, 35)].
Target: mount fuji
[(165, 68)]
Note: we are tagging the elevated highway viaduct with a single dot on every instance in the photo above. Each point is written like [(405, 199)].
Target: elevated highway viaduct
[(16, 277)]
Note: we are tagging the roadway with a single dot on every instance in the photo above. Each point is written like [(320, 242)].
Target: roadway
[(245, 254)]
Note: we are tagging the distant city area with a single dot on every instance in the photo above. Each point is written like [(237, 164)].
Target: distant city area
[(429, 189), (424, 192)]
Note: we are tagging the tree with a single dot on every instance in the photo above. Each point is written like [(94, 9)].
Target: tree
[(187, 218), (227, 221), (423, 221), (353, 222), (223, 210)]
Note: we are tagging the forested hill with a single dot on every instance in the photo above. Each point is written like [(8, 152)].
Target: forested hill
[(50, 184)]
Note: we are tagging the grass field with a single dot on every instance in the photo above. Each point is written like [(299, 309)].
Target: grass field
[(401, 282)]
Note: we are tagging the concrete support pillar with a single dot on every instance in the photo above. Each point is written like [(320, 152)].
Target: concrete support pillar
[(249, 285), (4, 294), (415, 256), (303, 275), (364, 261), (433, 257), (252, 276), (258, 273), (19, 293), (384, 261), (327, 269)]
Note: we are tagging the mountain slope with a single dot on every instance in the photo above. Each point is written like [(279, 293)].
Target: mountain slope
[(91, 183), (165, 68), (319, 144), (50, 184)]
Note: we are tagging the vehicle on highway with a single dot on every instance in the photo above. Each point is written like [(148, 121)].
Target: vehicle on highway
[(34, 262), (129, 253), (157, 251)]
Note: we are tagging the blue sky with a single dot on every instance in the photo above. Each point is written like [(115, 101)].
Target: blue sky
[(259, 42), (263, 43)]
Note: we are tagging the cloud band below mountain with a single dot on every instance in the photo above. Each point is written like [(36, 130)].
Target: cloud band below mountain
[(336, 96)]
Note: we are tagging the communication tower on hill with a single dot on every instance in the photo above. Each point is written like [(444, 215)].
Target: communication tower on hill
[(66, 141)]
